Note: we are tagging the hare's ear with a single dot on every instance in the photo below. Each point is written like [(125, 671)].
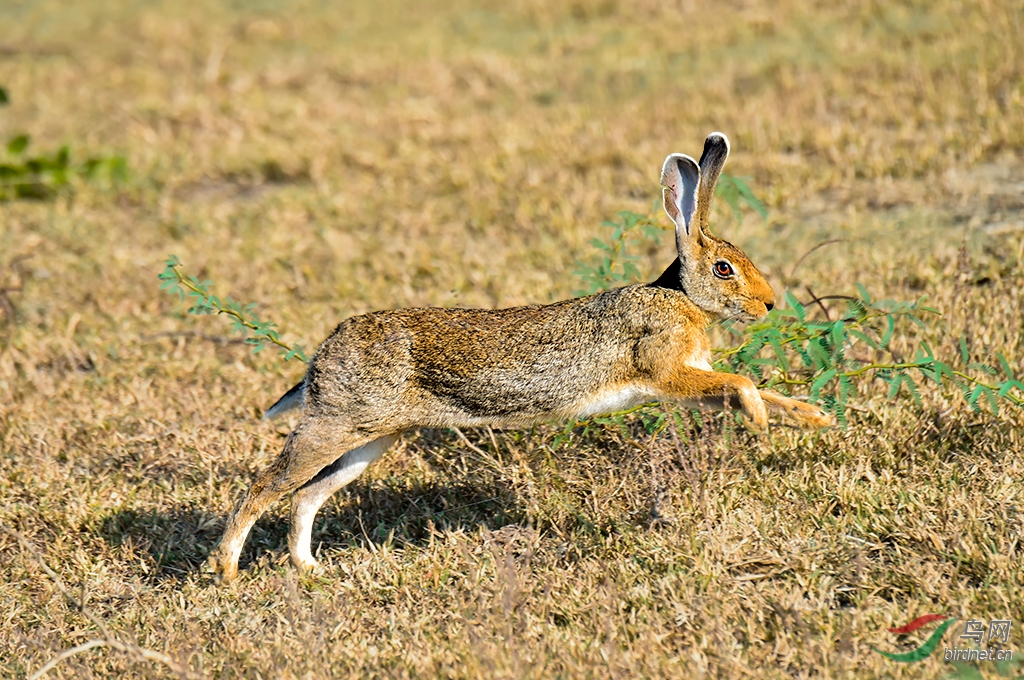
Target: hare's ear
[(681, 178), (716, 150)]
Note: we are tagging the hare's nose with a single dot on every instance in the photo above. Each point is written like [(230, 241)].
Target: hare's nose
[(769, 306)]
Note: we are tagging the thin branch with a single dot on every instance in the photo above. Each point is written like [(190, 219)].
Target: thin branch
[(805, 255), (470, 444), (1015, 400), (108, 638), (829, 297), (219, 339), (187, 282), (817, 299), (67, 653)]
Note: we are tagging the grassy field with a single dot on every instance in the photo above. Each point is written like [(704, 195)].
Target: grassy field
[(325, 161)]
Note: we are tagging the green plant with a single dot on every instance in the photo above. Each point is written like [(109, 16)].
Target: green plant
[(42, 176), (789, 349), (244, 319), (614, 264)]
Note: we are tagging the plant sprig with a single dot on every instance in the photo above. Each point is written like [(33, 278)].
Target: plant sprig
[(244, 319), (614, 265), (789, 349), (43, 176)]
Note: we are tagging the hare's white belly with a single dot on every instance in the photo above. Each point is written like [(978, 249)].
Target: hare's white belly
[(627, 396), (612, 400)]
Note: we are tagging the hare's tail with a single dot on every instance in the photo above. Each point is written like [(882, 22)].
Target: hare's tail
[(292, 399)]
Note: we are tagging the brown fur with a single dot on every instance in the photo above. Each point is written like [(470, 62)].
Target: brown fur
[(380, 374)]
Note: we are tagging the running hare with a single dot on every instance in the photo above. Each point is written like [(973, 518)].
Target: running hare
[(380, 374)]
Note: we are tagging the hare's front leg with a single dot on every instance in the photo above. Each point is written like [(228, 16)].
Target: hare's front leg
[(306, 501), (712, 389), (802, 413)]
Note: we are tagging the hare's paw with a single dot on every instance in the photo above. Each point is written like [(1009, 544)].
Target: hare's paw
[(754, 408), (307, 566), (223, 568), (809, 416), (798, 413)]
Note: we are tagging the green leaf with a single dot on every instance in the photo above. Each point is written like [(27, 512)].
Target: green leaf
[(984, 368), (845, 388), (863, 336), (836, 334), (1005, 388), (1007, 371), (894, 386), (972, 399), (821, 381), (864, 294), (990, 395), (912, 386), (780, 353), (752, 200), (18, 144), (964, 355), (887, 336), (795, 305), (943, 369), (4, 99), (819, 351)]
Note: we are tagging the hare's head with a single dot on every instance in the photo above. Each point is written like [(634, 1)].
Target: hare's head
[(714, 273)]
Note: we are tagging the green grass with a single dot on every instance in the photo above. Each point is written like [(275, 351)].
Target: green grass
[(324, 163)]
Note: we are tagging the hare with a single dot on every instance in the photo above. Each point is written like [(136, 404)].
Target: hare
[(380, 374)]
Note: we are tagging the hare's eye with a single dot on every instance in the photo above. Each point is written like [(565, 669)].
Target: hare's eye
[(723, 269)]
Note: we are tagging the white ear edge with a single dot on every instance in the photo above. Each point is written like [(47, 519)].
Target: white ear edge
[(680, 175)]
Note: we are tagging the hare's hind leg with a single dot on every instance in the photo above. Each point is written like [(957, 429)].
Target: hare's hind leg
[(311, 447), (308, 498), (803, 414)]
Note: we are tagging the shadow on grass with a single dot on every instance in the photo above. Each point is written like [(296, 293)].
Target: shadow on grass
[(179, 541)]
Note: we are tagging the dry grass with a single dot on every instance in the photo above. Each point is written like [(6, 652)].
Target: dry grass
[(325, 162)]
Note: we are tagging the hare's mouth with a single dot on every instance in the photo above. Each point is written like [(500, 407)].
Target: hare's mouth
[(740, 311)]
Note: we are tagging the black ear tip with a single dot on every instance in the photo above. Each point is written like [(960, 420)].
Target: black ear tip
[(716, 140)]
